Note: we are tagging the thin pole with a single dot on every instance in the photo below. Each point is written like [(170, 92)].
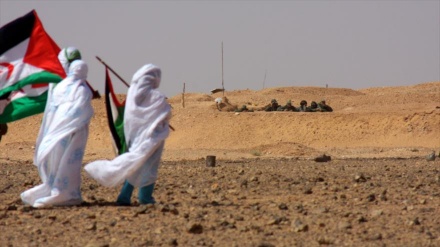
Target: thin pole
[(223, 85), (183, 96)]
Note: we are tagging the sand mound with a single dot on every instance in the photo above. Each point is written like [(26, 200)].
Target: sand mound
[(266, 189), (373, 122)]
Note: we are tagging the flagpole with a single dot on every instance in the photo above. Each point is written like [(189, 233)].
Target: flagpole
[(116, 74)]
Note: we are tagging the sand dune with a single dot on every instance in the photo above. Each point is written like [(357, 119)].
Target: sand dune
[(374, 122), (264, 190)]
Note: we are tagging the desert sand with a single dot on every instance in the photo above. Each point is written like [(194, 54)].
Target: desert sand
[(266, 189)]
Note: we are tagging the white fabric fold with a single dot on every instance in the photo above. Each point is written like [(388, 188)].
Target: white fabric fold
[(146, 119)]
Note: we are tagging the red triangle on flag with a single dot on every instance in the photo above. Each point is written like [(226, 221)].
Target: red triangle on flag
[(42, 51)]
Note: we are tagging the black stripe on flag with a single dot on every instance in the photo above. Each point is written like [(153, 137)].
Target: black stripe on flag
[(110, 117), (16, 31)]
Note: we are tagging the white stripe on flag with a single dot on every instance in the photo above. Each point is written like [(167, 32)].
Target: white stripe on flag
[(28, 91), (20, 70), (15, 53)]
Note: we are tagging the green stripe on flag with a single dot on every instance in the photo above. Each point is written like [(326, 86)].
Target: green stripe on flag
[(23, 107), (40, 77), (119, 126)]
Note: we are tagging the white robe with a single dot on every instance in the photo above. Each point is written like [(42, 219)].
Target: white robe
[(146, 119), (62, 140)]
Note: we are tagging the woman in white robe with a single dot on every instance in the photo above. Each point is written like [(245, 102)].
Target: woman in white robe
[(146, 120), (61, 141)]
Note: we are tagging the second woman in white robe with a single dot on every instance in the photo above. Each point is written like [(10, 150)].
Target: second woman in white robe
[(146, 119)]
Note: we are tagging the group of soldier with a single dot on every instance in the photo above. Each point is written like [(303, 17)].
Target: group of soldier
[(274, 106)]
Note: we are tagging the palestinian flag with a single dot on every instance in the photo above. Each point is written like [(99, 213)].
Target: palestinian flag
[(115, 115), (28, 61)]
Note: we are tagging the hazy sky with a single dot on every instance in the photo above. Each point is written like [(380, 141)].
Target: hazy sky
[(348, 44)]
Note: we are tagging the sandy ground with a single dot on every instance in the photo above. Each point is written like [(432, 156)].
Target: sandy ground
[(266, 190)]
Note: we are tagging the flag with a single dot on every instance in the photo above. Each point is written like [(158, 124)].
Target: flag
[(28, 61), (115, 115)]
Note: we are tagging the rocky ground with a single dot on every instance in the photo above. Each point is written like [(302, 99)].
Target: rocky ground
[(378, 189), (279, 202)]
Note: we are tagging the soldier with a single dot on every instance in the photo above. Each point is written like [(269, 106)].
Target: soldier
[(289, 106), (324, 107), (218, 101), (244, 109), (273, 106), (303, 106), (314, 107)]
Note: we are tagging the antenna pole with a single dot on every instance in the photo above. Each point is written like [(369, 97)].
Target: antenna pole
[(183, 96), (223, 82)]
